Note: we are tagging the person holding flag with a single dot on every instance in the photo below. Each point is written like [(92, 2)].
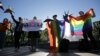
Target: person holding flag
[(82, 25), (56, 30), (53, 34), (18, 31)]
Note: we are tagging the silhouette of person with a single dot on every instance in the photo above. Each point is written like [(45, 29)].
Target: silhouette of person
[(56, 31), (18, 31), (52, 45), (64, 43), (34, 37), (84, 21), (53, 34), (3, 29), (87, 27)]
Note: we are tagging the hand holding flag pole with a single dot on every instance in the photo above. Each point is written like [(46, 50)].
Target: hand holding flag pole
[(9, 10), (65, 16)]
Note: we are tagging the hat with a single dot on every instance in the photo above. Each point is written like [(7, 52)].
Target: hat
[(48, 20)]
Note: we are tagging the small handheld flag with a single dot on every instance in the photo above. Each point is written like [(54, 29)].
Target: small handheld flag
[(8, 10), (1, 6)]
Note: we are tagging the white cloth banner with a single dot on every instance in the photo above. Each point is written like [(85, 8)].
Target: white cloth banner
[(32, 25)]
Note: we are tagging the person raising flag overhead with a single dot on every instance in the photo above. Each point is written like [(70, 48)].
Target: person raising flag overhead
[(82, 25), (18, 29), (63, 24), (9, 10)]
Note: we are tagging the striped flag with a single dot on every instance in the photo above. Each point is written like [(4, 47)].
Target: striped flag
[(1, 6)]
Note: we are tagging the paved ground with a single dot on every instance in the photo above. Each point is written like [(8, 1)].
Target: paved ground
[(24, 51)]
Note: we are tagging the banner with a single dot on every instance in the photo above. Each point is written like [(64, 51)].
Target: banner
[(32, 25)]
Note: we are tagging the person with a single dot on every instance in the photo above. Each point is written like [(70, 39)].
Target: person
[(17, 31), (34, 37), (66, 26), (53, 33), (87, 27), (3, 29), (52, 44), (85, 23), (64, 43), (56, 31)]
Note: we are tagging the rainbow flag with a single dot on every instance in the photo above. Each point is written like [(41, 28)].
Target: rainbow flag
[(82, 23), (51, 38), (76, 26), (56, 32)]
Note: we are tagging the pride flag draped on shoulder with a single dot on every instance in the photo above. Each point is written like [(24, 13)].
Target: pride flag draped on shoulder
[(56, 31)]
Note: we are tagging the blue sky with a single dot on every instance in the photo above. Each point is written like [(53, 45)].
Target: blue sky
[(43, 8)]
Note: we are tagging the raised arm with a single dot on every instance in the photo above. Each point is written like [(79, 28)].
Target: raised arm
[(12, 16), (93, 13), (65, 17), (90, 13)]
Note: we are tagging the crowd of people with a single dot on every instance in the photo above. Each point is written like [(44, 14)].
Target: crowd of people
[(84, 18), (54, 31)]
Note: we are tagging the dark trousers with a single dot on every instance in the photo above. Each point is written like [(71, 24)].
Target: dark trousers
[(17, 36), (34, 37), (2, 39), (89, 35), (64, 45)]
